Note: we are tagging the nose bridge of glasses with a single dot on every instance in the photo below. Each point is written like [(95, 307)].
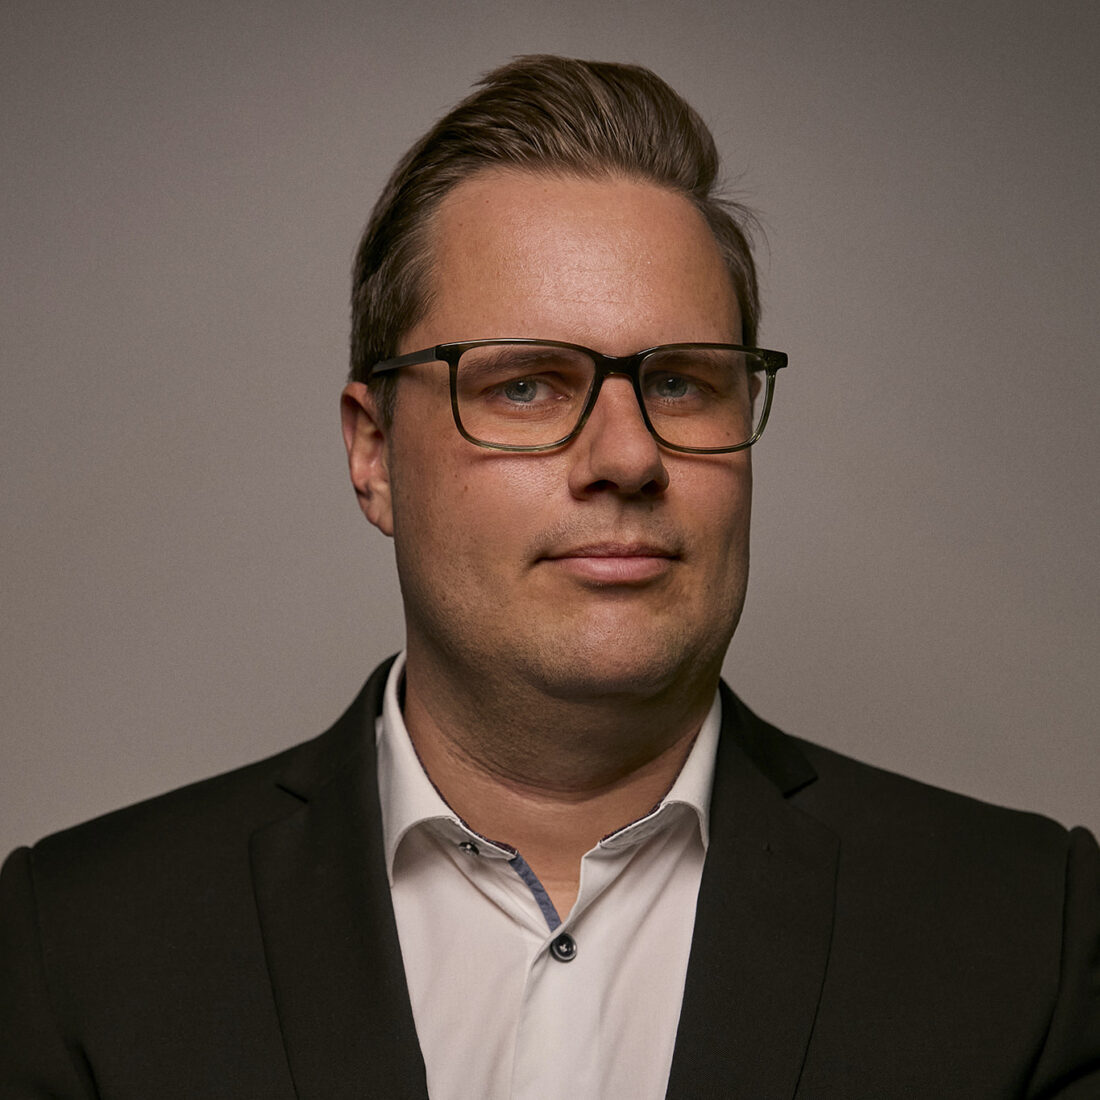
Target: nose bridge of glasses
[(626, 367)]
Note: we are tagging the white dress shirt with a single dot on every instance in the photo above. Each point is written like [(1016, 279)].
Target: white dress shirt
[(510, 1003)]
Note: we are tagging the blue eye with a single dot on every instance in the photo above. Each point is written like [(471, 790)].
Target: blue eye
[(670, 386), (521, 390)]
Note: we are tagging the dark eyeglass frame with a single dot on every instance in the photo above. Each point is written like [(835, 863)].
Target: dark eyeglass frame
[(628, 365)]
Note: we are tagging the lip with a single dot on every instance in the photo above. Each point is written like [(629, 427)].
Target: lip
[(614, 562)]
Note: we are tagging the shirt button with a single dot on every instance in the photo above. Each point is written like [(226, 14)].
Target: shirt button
[(469, 848), (564, 948)]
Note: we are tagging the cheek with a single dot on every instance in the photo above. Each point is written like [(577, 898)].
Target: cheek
[(721, 503), (743, 498), (471, 506)]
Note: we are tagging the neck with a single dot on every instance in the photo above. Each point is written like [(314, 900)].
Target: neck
[(548, 776)]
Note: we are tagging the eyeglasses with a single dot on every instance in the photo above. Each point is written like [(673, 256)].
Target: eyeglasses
[(535, 395)]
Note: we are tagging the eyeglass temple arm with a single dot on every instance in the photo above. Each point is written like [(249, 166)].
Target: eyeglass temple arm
[(428, 355)]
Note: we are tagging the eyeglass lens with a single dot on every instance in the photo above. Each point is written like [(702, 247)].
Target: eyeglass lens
[(529, 395)]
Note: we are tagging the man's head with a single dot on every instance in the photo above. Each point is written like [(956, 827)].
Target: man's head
[(546, 115), (610, 567)]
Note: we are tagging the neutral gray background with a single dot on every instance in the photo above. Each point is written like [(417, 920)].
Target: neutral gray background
[(187, 582)]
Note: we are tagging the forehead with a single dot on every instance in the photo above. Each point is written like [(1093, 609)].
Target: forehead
[(563, 257)]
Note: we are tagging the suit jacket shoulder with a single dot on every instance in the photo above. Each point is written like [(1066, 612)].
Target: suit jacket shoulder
[(192, 944), (887, 938)]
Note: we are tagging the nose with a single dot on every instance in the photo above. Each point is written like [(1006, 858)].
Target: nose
[(615, 451)]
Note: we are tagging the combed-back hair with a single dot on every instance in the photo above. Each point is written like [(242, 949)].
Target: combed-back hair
[(543, 114)]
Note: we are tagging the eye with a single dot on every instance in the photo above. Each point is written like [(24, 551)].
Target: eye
[(670, 386), (521, 390)]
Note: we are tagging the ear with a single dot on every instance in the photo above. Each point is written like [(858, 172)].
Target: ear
[(367, 444), (756, 384)]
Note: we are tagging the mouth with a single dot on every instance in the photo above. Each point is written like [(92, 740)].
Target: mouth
[(614, 563)]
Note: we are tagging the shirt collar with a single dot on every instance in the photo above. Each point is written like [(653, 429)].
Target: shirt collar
[(408, 797), (691, 788)]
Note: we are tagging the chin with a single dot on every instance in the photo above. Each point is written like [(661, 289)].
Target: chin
[(619, 671)]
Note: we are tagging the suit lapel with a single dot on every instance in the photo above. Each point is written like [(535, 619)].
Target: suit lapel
[(328, 925), (763, 923)]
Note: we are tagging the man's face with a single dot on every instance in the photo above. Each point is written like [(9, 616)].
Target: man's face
[(609, 566)]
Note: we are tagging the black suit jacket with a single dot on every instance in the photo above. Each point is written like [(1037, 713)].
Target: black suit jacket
[(857, 935)]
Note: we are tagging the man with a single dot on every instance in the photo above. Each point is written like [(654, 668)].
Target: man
[(544, 853)]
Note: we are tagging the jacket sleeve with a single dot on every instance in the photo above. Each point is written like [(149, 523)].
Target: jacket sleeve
[(1069, 1066), (36, 1060)]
